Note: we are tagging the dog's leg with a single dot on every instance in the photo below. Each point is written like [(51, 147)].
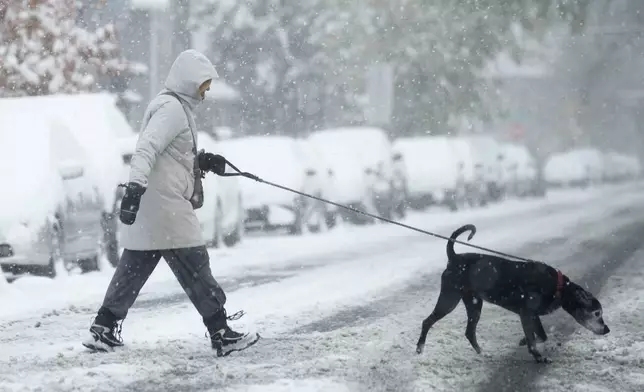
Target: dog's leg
[(529, 329), (540, 332), (473, 306), (447, 301)]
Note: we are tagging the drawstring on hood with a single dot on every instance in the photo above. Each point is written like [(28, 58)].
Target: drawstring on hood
[(187, 73)]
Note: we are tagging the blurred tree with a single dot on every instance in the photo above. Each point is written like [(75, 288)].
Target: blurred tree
[(44, 51), (272, 52), (440, 52), (307, 60)]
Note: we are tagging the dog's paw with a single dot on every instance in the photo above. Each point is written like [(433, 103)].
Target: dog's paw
[(524, 341), (419, 348), (543, 359)]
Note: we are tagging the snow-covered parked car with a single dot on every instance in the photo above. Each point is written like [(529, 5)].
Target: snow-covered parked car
[(281, 160), (633, 167), (97, 124), (578, 168), (321, 171), (47, 214), (488, 158), (620, 167), (476, 193), (222, 214), (520, 170), (362, 160), (433, 170)]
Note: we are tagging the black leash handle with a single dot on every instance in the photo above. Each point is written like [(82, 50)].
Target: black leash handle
[(357, 211)]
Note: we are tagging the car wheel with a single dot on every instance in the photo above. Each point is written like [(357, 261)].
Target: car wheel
[(217, 240), (89, 264), (317, 221), (236, 236), (356, 218), (233, 238), (110, 238), (331, 219), (49, 270), (297, 228), (401, 208), (451, 201)]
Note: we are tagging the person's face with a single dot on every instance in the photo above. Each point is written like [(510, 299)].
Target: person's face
[(205, 86)]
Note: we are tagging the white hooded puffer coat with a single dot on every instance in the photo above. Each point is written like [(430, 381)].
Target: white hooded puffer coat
[(164, 159)]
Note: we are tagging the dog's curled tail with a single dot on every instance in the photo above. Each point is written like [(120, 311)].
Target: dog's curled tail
[(450, 244)]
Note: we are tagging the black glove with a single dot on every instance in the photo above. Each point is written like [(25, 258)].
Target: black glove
[(214, 163), (131, 201)]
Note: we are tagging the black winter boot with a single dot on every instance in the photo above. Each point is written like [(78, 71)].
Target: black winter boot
[(105, 332), (224, 339)]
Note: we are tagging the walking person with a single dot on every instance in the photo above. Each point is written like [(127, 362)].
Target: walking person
[(163, 191)]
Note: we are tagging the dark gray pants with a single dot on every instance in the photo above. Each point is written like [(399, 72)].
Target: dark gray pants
[(191, 266)]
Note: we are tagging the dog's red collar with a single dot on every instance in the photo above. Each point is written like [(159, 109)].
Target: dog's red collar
[(560, 284)]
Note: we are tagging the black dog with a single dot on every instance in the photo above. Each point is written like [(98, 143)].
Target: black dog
[(529, 289)]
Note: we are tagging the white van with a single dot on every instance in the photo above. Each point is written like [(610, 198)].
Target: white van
[(362, 161), (281, 160), (434, 171)]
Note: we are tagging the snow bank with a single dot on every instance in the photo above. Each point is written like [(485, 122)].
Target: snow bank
[(431, 163)]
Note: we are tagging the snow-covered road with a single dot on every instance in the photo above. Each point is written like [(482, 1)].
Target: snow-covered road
[(342, 311)]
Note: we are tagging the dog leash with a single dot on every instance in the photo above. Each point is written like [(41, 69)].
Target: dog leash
[(251, 176)]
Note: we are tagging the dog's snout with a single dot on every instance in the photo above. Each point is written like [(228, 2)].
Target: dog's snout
[(606, 330)]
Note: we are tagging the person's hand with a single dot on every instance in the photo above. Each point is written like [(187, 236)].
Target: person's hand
[(131, 201), (214, 163)]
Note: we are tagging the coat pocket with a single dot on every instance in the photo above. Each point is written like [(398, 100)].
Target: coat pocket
[(190, 185)]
